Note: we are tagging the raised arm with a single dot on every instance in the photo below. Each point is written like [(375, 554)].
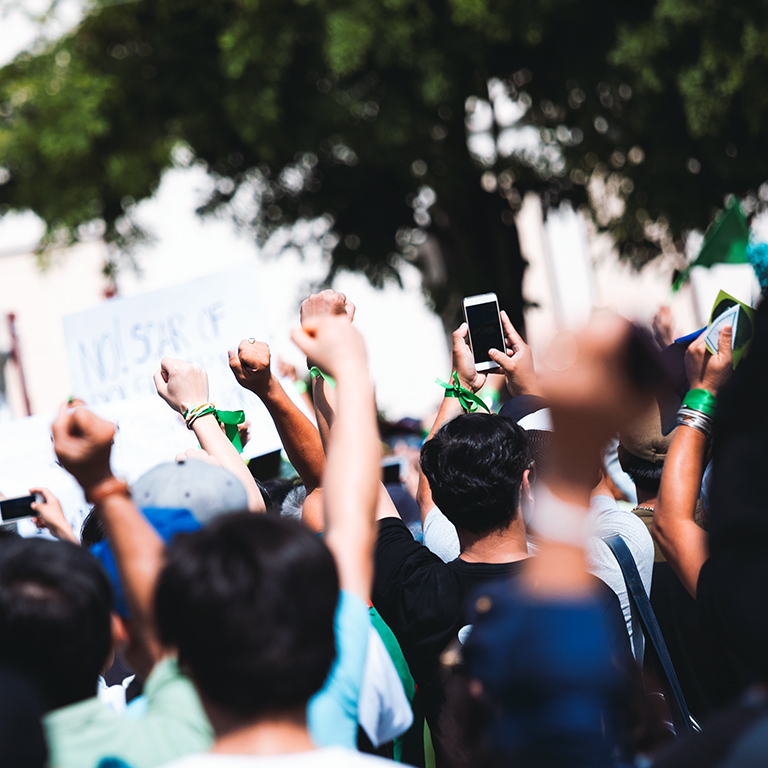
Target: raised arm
[(450, 408), (83, 443), (301, 440), (185, 386), (680, 538), (352, 469), (591, 394)]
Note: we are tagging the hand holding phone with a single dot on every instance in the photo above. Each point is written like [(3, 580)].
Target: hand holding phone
[(20, 508), (482, 316)]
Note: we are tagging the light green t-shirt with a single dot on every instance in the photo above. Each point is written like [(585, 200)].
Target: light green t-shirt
[(174, 725)]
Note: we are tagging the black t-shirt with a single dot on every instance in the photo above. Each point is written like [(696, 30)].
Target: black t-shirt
[(422, 599)]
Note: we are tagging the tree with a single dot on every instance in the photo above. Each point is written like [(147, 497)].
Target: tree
[(357, 111)]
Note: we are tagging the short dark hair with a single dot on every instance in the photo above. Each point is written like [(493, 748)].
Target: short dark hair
[(249, 603), (644, 474), (55, 626), (475, 465), (92, 530)]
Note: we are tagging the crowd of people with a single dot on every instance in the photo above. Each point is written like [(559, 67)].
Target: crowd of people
[(574, 580)]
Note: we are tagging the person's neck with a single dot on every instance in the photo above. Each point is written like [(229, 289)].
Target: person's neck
[(501, 546), (646, 498), (278, 733)]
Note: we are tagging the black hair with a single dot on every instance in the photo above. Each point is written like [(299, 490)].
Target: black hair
[(249, 603), (644, 474), (55, 626), (22, 742), (475, 465), (92, 531)]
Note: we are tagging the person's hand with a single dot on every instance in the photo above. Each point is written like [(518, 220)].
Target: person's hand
[(464, 361), (663, 330), (182, 385), (287, 370), (517, 362), (251, 366), (83, 442), (50, 515), (707, 371), (586, 381), (197, 454), (326, 302), (333, 343)]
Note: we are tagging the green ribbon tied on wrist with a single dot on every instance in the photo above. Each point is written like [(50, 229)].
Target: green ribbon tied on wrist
[(315, 371), (230, 420), (470, 402), (701, 400)]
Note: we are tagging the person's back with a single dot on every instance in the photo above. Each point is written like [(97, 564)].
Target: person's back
[(249, 602), (56, 630), (476, 466)]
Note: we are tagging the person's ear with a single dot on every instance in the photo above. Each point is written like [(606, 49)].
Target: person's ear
[(526, 489), (120, 637)]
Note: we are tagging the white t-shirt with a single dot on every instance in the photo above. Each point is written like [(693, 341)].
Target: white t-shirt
[(441, 538), (327, 757)]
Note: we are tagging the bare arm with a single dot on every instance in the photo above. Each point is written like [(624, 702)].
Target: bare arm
[(82, 442), (590, 399), (301, 440), (450, 408), (683, 542), (184, 386), (352, 471)]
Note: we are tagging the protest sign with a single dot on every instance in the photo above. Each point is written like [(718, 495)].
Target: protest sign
[(114, 349)]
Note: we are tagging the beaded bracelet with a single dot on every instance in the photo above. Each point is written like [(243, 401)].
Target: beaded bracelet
[(192, 414)]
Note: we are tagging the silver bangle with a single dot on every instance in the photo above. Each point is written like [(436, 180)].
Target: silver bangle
[(689, 417)]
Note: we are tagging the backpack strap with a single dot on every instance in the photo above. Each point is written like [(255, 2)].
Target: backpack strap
[(682, 718)]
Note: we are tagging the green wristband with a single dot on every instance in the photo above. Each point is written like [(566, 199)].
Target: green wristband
[(470, 402), (315, 371), (701, 400)]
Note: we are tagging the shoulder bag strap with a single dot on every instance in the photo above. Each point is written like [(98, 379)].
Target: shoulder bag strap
[(683, 720)]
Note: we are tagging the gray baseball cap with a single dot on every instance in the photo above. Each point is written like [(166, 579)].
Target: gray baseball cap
[(206, 490)]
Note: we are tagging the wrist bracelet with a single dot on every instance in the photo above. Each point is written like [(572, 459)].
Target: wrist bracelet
[(701, 400), (470, 402), (108, 487), (314, 372), (688, 417), (192, 414)]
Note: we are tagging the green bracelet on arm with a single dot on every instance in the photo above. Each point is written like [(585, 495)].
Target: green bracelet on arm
[(701, 400), (230, 420), (470, 402), (315, 371)]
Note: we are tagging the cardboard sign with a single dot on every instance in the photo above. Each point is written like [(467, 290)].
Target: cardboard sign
[(115, 349)]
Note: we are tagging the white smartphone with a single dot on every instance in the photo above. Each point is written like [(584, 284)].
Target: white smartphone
[(485, 332)]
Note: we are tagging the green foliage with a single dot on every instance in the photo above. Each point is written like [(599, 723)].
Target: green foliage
[(351, 109)]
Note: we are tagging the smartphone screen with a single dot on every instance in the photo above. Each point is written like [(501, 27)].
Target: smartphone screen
[(484, 330), (16, 509)]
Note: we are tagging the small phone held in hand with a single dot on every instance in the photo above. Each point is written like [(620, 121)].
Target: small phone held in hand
[(485, 332), (19, 508)]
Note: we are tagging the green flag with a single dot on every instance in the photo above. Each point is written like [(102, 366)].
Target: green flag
[(725, 242)]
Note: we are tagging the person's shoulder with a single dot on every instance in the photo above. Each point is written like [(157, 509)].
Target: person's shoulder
[(609, 519), (341, 757)]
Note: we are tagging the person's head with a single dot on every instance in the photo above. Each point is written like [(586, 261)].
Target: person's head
[(92, 530), (249, 603), (55, 624), (642, 450), (475, 466), (645, 474)]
